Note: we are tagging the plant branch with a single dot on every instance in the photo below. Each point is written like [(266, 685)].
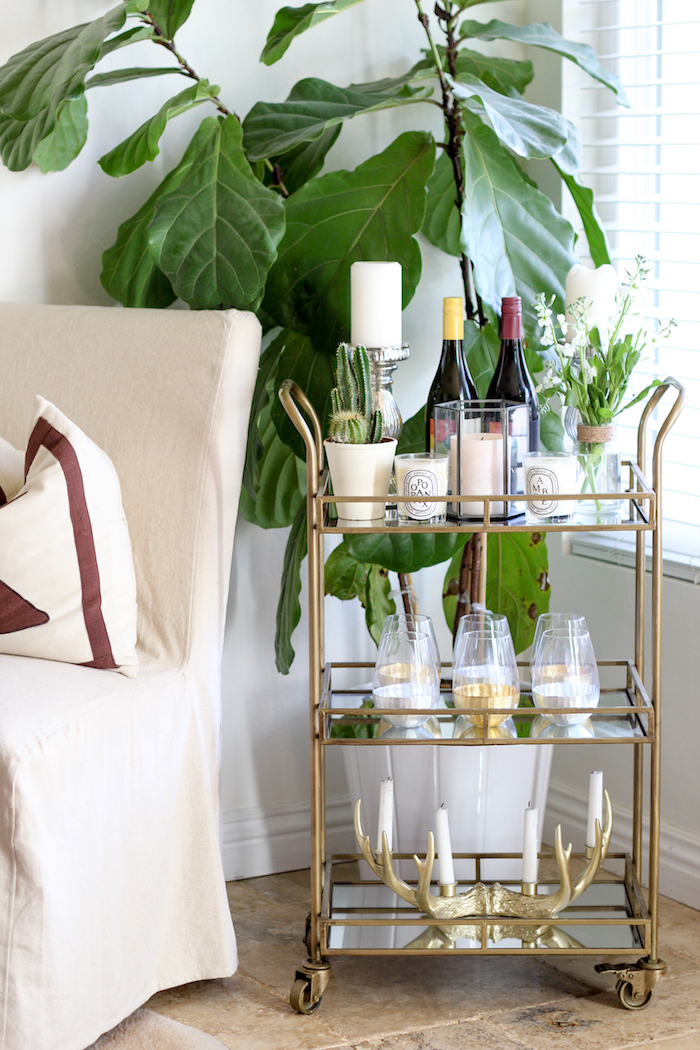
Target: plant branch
[(452, 111), (277, 176), (161, 39)]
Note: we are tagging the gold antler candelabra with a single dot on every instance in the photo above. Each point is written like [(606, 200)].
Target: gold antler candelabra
[(493, 899)]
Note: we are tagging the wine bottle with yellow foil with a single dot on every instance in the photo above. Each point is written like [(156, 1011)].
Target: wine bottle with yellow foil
[(452, 380)]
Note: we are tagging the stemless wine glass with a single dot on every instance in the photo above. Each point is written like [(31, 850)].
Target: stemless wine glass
[(485, 674), (406, 675), (420, 623), (555, 622), (495, 623), (565, 675)]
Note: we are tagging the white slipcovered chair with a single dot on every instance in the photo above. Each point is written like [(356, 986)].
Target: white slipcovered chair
[(111, 882)]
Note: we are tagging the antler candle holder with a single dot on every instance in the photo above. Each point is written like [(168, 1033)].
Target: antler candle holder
[(494, 899)]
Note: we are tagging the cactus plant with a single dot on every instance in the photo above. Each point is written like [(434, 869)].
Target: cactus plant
[(353, 420)]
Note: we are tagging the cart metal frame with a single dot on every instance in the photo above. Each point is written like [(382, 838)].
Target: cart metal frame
[(635, 980)]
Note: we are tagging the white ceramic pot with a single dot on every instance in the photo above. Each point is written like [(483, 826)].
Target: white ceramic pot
[(486, 790), (360, 470)]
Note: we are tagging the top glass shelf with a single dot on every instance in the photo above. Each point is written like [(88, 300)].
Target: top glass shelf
[(638, 512)]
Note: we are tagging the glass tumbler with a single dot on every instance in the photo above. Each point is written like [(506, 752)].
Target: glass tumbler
[(420, 623), (495, 623), (565, 675), (555, 622), (485, 674), (406, 675)]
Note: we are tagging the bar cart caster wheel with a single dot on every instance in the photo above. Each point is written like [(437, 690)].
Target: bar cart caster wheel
[(300, 996), (630, 1001)]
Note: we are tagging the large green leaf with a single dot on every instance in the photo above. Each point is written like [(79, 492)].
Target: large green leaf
[(413, 433), (552, 432), (405, 552), (121, 76), (369, 213), (289, 606), (129, 271), (595, 234), (292, 21), (345, 577), (441, 225), (541, 34), (312, 369), (376, 601), (530, 131), (64, 143), (143, 144), (274, 479), (313, 106), (517, 584), (169, 15), (36, 82), (507, 75), (303, 162), (215, 234), (519, 243)]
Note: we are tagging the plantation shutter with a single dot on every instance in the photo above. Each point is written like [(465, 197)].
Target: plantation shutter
[(643, 165)]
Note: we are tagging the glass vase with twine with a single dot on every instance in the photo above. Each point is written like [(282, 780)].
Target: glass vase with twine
[(600, 461)]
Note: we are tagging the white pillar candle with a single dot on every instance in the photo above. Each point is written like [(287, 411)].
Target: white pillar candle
[(595, 805), (375, 304), (386, 813), (446, 870), (598, 287), (530, 864), (481, 470)]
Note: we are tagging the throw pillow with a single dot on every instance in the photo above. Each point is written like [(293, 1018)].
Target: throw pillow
[(67, 582)]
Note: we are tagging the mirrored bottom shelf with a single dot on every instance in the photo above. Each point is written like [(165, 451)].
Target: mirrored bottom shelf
[(601, 921)]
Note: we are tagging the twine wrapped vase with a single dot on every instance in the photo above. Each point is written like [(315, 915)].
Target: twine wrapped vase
[(601, 467)]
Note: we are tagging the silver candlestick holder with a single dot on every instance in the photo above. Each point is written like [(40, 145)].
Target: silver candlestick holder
[(383, 362)]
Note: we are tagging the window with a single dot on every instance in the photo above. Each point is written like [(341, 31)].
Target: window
[(643, 164)]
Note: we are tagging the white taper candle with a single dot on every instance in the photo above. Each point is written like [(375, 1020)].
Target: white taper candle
[(595, 805), (530, 865), (446, 871), (375, 304), (386, 813)]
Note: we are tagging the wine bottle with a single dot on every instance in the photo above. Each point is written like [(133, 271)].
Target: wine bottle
[(452, 380), (512, 380)]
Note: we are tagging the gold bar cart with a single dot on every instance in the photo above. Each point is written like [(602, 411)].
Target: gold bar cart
[(355, 916)]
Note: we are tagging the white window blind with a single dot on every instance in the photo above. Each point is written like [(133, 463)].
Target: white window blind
[(643, 165)]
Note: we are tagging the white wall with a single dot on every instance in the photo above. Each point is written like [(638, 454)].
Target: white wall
[(54, 229)]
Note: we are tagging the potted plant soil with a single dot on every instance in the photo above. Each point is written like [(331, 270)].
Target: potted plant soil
[(360, 458)]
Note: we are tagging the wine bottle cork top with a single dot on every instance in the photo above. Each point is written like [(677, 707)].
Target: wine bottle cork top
[(511, 304), (453, 317), (511, 317)]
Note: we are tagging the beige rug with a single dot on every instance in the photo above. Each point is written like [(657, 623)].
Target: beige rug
[(147, 1030)]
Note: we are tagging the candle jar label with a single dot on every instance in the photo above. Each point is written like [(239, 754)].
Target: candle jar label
[(420, 484), (542, 482)]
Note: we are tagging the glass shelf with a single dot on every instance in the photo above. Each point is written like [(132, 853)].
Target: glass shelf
[(624, 715), (366, 917)]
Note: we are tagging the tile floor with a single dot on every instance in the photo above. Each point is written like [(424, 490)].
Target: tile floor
[(379, 1003)]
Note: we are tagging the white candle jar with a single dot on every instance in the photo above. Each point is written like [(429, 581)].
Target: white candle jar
[(420, 476), (548, 475)]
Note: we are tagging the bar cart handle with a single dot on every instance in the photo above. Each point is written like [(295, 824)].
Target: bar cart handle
[(291, 395), (668, 422)]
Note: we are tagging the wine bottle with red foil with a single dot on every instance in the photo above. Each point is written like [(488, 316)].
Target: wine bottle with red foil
[(452, 380), (512, 380)]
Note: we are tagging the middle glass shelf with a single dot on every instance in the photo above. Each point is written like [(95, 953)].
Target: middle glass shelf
[(625, 714)]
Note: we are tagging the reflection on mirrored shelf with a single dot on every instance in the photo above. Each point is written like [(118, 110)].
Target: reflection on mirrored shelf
[(447, 724), (601, 902)]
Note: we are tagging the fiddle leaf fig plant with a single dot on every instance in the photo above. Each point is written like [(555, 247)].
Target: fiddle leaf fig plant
[(247, 219)]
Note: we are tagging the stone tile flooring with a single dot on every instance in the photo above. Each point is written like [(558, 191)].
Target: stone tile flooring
[(380, 1003)]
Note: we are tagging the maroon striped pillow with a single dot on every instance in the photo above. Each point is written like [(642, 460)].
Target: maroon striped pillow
[(67, 583)]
